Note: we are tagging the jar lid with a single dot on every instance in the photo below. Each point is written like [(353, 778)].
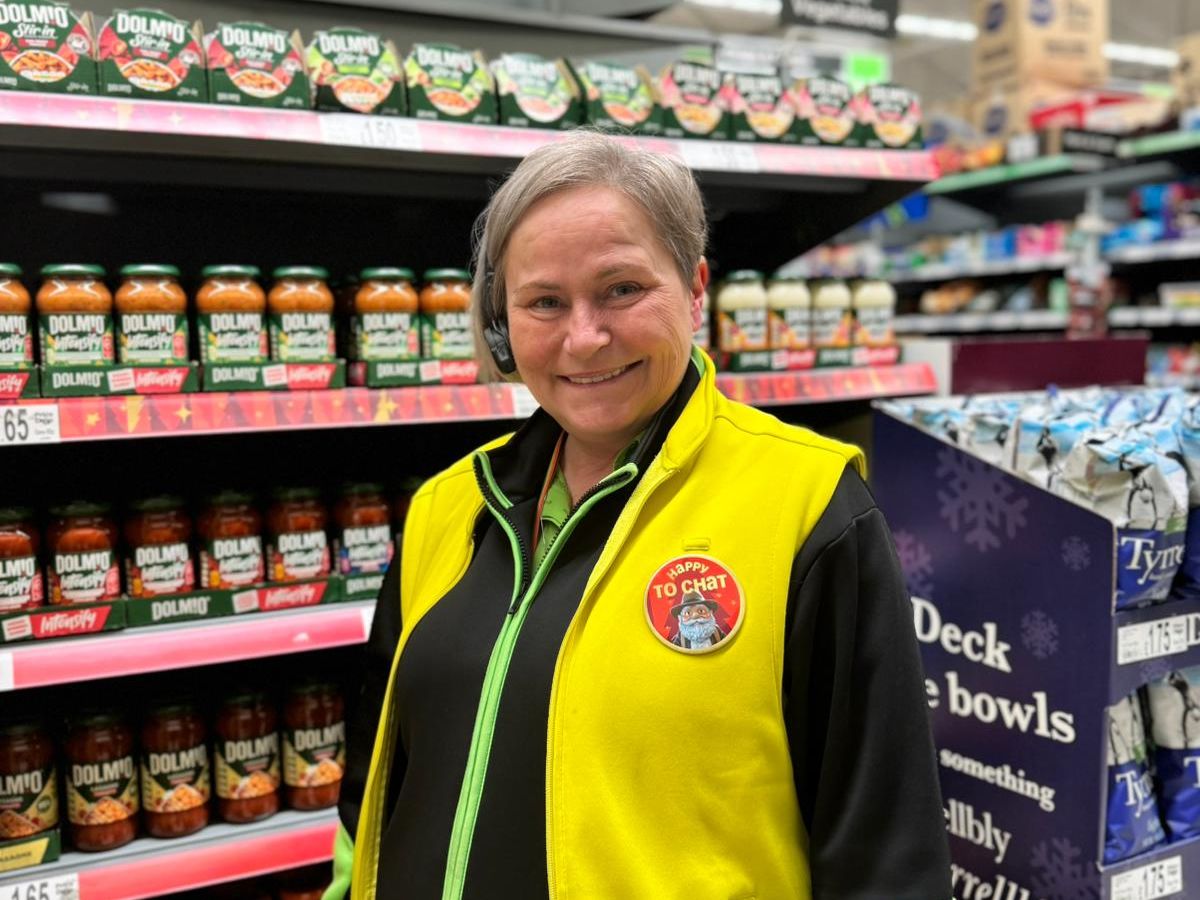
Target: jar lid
[(95, 716), (786, 277), (173, 705), (295, 492), (160, 503), (359, 488), (386, 273), (229, 497), (741, 275), (241, 696), (80, 508), (73, 270), (10, 269), (10, 515), (300, 272), (446, 275), (149, 269), (21, 726), (312, 685), (225, 269)]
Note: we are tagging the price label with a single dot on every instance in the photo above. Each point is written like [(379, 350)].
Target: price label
[(1163, 878), (54, 887), (1162, 637), (523, 403), (21, 425), (719, 156), (376, 132)]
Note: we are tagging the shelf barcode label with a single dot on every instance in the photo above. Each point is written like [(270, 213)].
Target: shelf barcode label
[(1162, 637), (21, 425), (376, 132), (53, 887), (719, 156), (1163, 878)]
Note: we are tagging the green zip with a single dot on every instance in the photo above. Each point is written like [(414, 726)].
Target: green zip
[(467, 811)]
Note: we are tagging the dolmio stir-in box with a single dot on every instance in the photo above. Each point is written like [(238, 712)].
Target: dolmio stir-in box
[(356, 71), (252, 64), (448, 82), (150, 54), (44, 46)]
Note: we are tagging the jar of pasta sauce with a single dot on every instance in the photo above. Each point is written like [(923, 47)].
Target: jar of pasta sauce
[(246, 771), (231, 311), (300, 307), (314, 745), (75, 318), (384, 322), (445, 315), (231, 549), (28, 781), (175, 773), (16, 335), (297, 547), (158, 559), (152, 324), (363, 539), (20, 566), (82, 554), (101, 781)]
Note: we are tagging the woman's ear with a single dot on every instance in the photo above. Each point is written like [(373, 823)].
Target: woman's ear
[(698, 287)]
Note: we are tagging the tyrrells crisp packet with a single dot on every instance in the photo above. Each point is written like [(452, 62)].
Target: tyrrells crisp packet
[(1131, 825), (1129, 477), (1187, 582), (1175, 724), (1040, 440), (991, 419)]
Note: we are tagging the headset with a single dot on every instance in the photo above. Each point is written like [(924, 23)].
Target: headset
[(495, 331)]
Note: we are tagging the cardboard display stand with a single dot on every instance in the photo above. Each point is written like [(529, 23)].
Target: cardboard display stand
[(1013, 599)]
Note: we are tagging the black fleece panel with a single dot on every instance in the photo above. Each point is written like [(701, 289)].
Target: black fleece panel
[(854, 705), (438, 685), (370, 672)]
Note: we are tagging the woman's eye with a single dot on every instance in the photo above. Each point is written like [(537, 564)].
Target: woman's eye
[(546, 303), (625, 290)]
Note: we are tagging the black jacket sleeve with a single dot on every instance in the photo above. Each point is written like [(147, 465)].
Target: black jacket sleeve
[(855, 709), (364, 705)]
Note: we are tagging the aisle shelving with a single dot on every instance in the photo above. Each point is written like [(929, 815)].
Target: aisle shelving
[(968, 322), (154, 868)]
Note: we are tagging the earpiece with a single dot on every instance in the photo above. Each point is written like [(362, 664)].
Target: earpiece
[(495, 333)]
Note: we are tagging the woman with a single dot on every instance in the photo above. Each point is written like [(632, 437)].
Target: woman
[(655, 644)]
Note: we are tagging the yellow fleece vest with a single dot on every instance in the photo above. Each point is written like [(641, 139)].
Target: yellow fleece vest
[(668, 774)]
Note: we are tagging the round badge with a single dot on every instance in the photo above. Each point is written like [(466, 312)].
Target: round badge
[(694, 604)]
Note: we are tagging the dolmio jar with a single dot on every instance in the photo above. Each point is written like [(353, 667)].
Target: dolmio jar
[(101, 781), (384, 321), (175, 772), (363, 539), (231, 549), (28, 781), (246, 771), (20, 564), (314, 745), (81, 554), (152, 326), (231, 314), (297, 546), (75, 316), (158, 558), (300, 307), (445, 320), (16, 336)]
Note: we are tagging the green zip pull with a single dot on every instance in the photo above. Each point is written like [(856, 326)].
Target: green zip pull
[(466, 813)]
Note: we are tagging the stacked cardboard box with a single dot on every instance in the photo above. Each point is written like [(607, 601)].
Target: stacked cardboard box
[(1186, 77)]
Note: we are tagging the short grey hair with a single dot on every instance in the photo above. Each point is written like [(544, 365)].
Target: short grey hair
[(662, 186)]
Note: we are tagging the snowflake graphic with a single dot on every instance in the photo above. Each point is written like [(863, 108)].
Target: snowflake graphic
[(1076, 554), (1039, 634), (1063, 875), (978, 498), (917, 563), (1154, 670)]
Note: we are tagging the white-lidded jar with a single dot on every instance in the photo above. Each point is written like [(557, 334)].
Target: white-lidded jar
[(790, 316), (875, 314), (832, 321), (742, 312)]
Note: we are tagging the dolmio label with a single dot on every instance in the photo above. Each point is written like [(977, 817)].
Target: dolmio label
[(364, 549), (302, 337), (84, 577), (99, 793), (233, 337), (154, 569), (20, 583), (28, 802), (248, 767), (153, 338), (298, 554), (175, 780), (77, 339), (447, 335), (234, 561), (313, 757), (16, 340)]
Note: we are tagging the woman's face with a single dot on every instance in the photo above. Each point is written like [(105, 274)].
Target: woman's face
[(600, 321)]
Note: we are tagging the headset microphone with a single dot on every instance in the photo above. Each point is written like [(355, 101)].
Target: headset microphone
[(495, 332)]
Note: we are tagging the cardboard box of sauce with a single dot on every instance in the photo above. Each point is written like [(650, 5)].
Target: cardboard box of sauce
[(448, 82), (252, 64), (619, 97), (536, 92), (44, 46), (692, 102), (151, 55), (356, 71)]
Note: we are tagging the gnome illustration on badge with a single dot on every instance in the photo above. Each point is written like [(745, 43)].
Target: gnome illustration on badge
[(697, 622)]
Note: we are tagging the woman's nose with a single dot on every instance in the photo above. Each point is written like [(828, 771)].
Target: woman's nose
[(587, 330)]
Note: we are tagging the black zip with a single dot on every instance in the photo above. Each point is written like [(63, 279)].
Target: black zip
[(526, 559)]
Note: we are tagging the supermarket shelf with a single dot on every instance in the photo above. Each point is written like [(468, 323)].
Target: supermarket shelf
[(102, 418), (1153, 316), (1163, 251), (168, 647), (1160, 144), (995, 176), (967, 323), (155, 868), (944, 272)]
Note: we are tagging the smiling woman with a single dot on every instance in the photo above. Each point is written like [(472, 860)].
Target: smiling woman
[(645, 576)]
